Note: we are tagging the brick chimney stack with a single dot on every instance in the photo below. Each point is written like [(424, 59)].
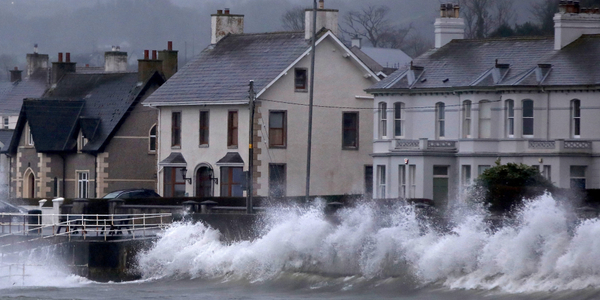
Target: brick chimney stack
[(115, 60), (15, 75), (60, 68), (224, 23), (327, 18), (572, 21), (147, 66), (37, 63), (449, 26), (169, 60)]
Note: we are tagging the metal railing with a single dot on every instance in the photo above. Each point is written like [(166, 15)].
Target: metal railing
[(19, 271), (81, 225)]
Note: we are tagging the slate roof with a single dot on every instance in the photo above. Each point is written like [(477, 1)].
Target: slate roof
[(93, 103), (222, 72), (12, 94), (231, 158), (5, 137), (521, 62), (387, 57), (175, 158), (368, 61)]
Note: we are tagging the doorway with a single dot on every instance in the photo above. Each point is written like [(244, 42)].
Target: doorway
[(204, 182)]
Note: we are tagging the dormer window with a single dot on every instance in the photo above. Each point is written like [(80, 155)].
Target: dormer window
[(28, 135), (300, 80), (81, 141)]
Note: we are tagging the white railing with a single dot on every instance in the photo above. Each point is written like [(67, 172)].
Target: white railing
[(81, 225)]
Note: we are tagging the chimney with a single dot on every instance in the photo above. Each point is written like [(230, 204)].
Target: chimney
[(326, 18), (147, 67), (224, 23), (115, 60), (60, 68), (449, 26), (169, 60), (356, 42), (37, 63), (15, 75), (570, 24)]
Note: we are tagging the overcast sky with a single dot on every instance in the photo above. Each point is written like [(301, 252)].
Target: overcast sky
[(84, 26)]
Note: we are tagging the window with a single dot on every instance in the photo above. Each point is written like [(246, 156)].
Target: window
[(232, 129), (277, 180), (231, 181), (152, 140), (174, 184), (82, 184), (440, 113), (466, 176), (575, 118), (382, 120), (5, 122), (277, 129), (466, 119), (55, 186), (547, 173), (28, 135), (176, 129), (402, 181), (368, 181), (81, 141), (300, 79), (510, 118), (350, 130), (381, 182), (482, 168), (528, 118), (485, 119), (578, 177), (203, 129), (398, 119), (412, 180)]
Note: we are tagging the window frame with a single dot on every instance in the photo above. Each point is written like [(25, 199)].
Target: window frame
[(6, 122), (399, 120), (28, 136), (381, 182), (175, 176), (485, 105), (527, 118), (282, 190), (233, 130), (440, 120), (152, 139), (83, 184), (412, 181), (467, 113), (575, 178), (466, 176), (402, 181), (510, 118), (204, 128), (356, 130), (304, 86), (229, 184), (273, 130), (176, 129), (575, 118), (382, 120)]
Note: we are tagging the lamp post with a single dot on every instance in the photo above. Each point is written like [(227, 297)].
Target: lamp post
[(311, 94)]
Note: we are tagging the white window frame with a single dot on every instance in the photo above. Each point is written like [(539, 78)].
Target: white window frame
[(153, 136), (576, 118), (6, 121), (402, 181), (510, 118), (382, 111), (381, 182), (467, 104), (83, 184), (523, 118), (412, 180), (547, 173), (440, 120), (466, 176), (482, 168), (485, 105), (584, 177), (28, 135), (399, 119)]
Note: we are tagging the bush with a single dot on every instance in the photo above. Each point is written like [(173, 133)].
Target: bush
[(506, 186)]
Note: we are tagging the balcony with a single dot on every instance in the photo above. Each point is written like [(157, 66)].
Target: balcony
[(426, 145), (562, 146)]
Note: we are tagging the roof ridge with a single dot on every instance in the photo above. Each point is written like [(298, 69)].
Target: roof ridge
[(512, 38)]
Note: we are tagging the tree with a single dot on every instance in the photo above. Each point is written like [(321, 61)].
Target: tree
[(485, 16), (372, 23), (7, 63), (506, 186), (544, 11), (293, 19)]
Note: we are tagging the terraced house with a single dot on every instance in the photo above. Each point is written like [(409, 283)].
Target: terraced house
[(204, 114), (467, 103)]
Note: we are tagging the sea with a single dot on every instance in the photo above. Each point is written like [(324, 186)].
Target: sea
[(544, 251)]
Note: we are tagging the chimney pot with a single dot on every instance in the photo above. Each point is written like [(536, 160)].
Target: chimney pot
[(146, 54), (87, 65), (170, 45), (226, 11), (457, 11), (60, 57), (443, 10), (68, 57), (321, 4), (154, 55), (16, 68), (219, 11), (114, 48), (576, 7), (35, 48)]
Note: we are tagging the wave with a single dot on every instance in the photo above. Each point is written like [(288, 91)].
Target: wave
[(543, 250)]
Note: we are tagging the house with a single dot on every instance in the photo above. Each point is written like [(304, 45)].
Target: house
[(89, 134), (204, 114), (460, 107)]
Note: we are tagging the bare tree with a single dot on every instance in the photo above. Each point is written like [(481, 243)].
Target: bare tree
[(373, 24), (543, 11), (7, 63), (293, 19), (505, 13), (477, 17), (415, 44)]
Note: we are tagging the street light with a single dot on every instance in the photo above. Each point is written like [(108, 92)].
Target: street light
[(183, 173)]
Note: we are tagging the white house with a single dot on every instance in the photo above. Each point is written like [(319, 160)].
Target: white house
[(204, 114), (459, 107)]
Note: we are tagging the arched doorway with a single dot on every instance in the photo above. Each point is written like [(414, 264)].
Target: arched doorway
[(204, 182), (29, 185)]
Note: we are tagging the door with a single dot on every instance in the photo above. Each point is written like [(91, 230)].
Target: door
[(31, 187), (203, 182), (440, 186)]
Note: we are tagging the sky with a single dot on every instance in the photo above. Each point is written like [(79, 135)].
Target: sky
[(86, 26)]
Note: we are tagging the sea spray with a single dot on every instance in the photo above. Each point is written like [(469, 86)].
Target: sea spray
[(544, 248)]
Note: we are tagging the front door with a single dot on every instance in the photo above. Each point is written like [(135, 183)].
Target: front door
[(203, 182)]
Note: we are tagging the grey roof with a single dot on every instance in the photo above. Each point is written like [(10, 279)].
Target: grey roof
[(368, 61), (222, 72), (5, 137), (231, 158), (387, 57), (175, 158), (12, 94), (506, 62)]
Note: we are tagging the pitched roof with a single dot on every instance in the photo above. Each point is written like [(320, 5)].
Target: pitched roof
[(500, 63), (387, 57), (231, 158), (53, 123), (222, 72), (174, 159), (12, 94), (5, 137)]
